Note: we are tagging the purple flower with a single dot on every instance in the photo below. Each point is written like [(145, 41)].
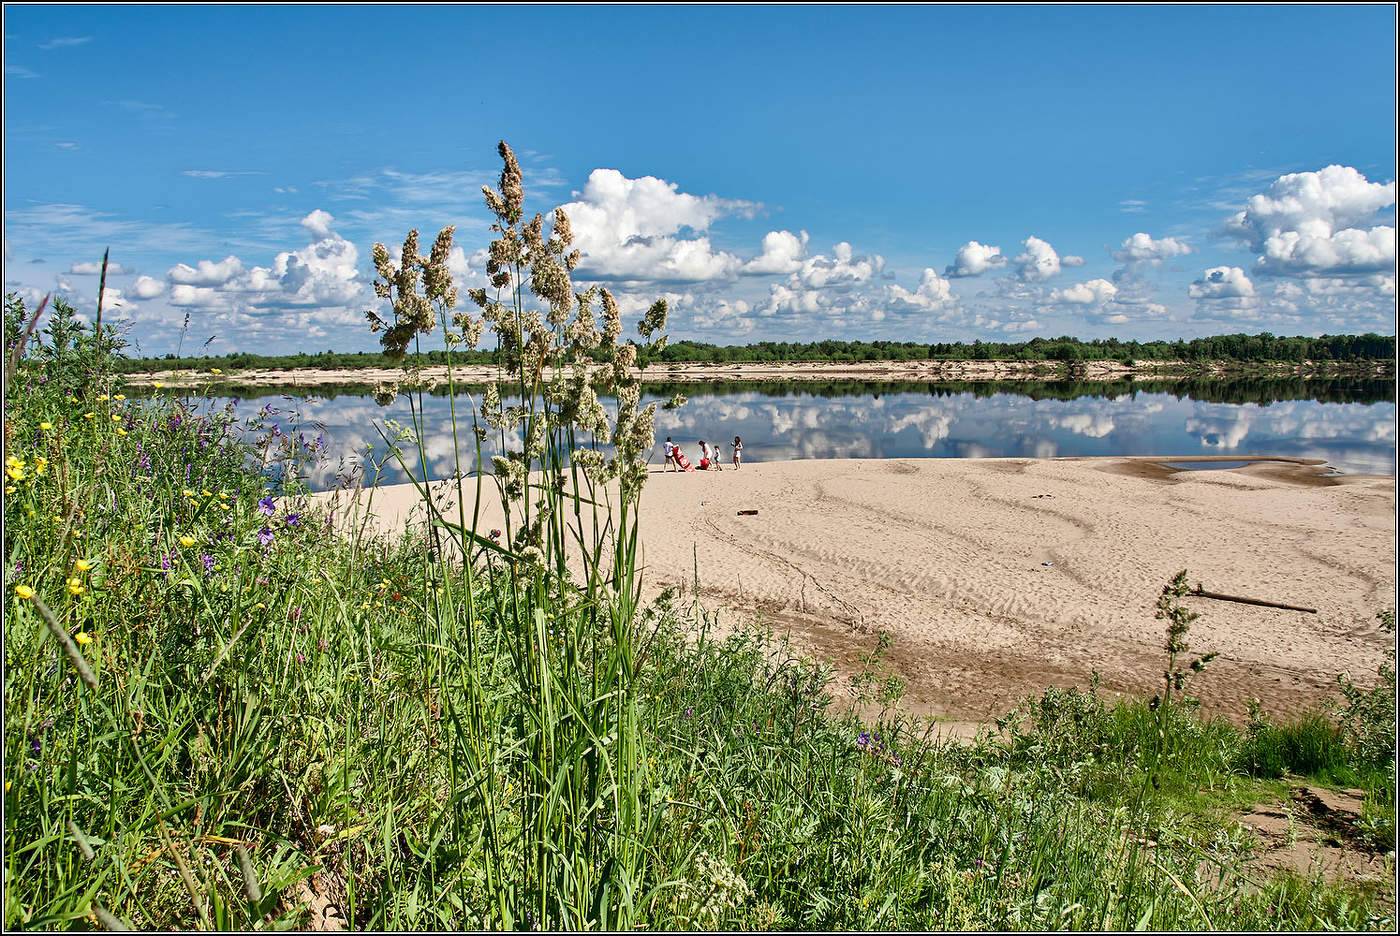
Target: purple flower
[(295, 613), (293, 520), (265, 537), (301, 657), (687, 711), (863, 740), (266, 506), (208, 561)]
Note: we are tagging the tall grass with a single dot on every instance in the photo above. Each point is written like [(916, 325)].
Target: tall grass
[(444, 730)]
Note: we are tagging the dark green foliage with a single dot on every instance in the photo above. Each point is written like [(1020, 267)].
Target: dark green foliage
[(1264, 348)]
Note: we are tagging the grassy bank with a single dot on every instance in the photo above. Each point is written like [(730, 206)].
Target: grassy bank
[(222, 714)]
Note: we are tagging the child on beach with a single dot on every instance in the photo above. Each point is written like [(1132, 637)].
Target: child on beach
[(738, 451), (704, 464)]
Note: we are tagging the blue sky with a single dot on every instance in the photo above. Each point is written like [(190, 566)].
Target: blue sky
[(785, 173)]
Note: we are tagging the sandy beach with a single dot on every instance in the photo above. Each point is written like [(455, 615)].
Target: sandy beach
[(999, 577)]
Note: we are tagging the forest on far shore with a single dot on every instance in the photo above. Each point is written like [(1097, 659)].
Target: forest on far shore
[(1262, 348)]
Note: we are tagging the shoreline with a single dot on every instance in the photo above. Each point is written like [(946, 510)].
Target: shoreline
[(998, 578), (782, 372)]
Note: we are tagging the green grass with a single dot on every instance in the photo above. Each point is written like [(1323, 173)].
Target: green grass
[(445, 730)]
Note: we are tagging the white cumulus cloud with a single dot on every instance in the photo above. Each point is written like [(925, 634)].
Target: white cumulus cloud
[(974, 259), (321, 275), (630, 229), (147, 287), (1039, 262), (1094, 292), (782, 253), (933, 293), (1309, 223), (1143, 248), (1222, 282)]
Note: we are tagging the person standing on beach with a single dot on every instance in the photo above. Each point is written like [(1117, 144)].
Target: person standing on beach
[(704, 464), (738, 451), (670, 455)]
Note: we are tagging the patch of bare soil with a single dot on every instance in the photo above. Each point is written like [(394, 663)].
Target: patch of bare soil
[(323, 897), (1315, 832)]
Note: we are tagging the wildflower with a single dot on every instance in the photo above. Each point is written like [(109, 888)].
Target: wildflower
[(41, 465), (187, 492), (72, 399), (75, 586), (85, 565), (206, 493), (10, 489), (208, 561), (266, 506), (223, 506), (119, 397), (45, 426), (187, 541), (116, 417), (215, 370), (158, 384), (24, 591), (121, 431), (223, 496), (261, 606), (301, 657), (88, 415), (102, 398), (265, 537), (83, 637), (293, 520)]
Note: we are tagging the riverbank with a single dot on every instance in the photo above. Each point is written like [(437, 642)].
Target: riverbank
[(700, 373), (998, 577)]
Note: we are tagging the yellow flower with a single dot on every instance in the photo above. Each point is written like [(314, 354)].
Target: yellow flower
[(261, 605), (223, 496), (72, 399), (116, 417), (187, 541), (205, 493), (85, 565), (16, 474), (41, 464), (83, 637), (88, 415), (157, 384), (120, 396), (45, 426), (24, 591), (187, 492), (7, 786), (223, 506), (121, 431), (102, 399), (75, 586), (215, 370), (9, 489)]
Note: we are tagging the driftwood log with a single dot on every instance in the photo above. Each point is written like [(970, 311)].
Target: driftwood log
[(1200, 592)]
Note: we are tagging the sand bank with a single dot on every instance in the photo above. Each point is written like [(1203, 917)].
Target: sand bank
[(999, 577), (311, 378)]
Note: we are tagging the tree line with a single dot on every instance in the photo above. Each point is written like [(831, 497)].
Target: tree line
[(1262, 348)]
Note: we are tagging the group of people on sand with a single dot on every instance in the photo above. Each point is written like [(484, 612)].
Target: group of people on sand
[(709, 456)]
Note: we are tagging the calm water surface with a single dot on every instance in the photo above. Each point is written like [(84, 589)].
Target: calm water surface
[(1350, 424)]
